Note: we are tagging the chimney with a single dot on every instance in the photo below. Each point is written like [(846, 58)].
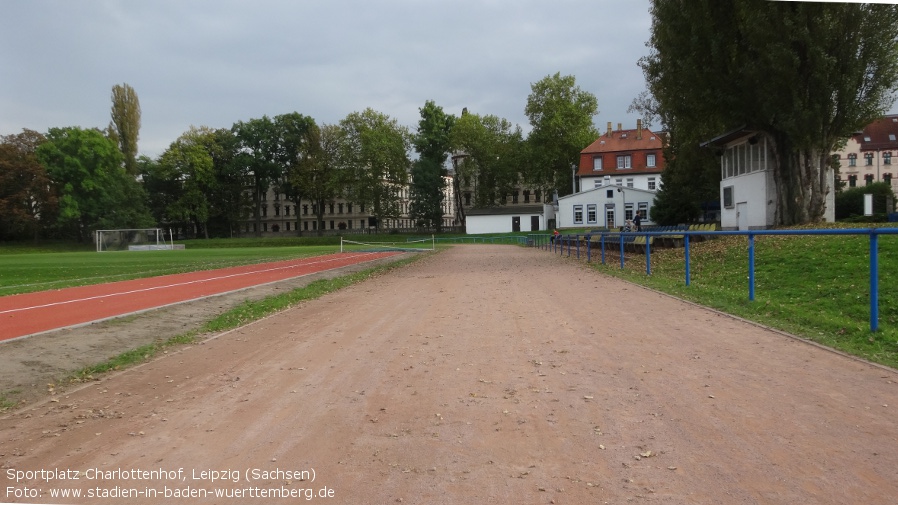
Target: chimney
[(609, 129), (619, 128), (638, 129)]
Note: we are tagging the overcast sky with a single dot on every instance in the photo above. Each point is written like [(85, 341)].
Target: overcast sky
[(212, 63)]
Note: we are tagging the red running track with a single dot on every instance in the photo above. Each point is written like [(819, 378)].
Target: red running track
[(27, 314)]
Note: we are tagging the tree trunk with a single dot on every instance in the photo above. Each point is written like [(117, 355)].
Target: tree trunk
[(801, 186)]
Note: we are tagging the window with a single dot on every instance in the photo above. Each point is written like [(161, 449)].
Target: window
[(609, 193), (887, 178), (340, 206), (578, 214), (286, 210), (868, 157), (886, 158), (643, 210), (526, 196), (852, 160), (591, 214), (628, 211), (852, 181), (623, 162), (629, 182), (728, 197), (597, 163), (597, 183), (650, 160), (868, 179), (652, 184), (619, 182), (892, 137), (536, 196)]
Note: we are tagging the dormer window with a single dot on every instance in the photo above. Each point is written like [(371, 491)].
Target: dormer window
[(624, 162), (597, 163)]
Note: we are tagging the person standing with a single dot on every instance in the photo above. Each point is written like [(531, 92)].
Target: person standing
[(637, 222)]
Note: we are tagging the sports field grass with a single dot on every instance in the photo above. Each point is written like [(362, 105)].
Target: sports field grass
[(33, 271), (816, 287)]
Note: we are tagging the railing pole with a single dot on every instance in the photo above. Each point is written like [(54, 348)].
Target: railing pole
[(621, 237), (874, 281), (686, 252), (648, 256), (751, 267), (588, 248)]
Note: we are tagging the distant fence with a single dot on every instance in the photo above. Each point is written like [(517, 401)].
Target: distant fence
[(643, 240)]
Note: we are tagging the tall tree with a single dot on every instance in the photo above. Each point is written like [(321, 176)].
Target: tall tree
[(432, 138), (258, 154), (27, 203), (317, 174), (561, 116), (188, 163), (125, 125), (494, 151), (432, 142), (374, 156), (293, 151), (86, 169), (427, 194), (804, 75)]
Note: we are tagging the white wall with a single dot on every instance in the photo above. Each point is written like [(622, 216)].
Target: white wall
[(599, 197), (499, 224), (758, 192)]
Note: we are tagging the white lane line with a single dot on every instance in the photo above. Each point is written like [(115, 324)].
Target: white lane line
[(89, 298)]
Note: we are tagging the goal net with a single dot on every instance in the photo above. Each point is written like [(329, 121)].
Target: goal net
[(136, 239), (411, 245)]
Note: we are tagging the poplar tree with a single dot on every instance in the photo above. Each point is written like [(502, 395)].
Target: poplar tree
[(125, 126)]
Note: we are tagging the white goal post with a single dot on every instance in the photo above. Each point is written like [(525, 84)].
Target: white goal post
[(132, 239)]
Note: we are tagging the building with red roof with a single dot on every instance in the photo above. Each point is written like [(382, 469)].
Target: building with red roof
[(868, 155)]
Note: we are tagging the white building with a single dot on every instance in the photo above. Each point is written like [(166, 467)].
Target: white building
[(748, 192), (607, 206)]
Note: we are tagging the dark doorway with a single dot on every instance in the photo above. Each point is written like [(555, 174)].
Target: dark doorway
[(534, 223), (516, 223)]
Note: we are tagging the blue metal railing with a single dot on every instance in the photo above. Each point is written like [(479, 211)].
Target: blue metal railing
[(622, 238)]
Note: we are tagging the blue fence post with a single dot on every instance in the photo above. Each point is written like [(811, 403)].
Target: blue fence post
[(588, 248), (621, 237), (874, 280), (568, 246), (686, 253), (648, 256), (751, 267)]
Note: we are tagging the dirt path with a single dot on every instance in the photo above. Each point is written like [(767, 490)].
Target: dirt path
[(484, 374)]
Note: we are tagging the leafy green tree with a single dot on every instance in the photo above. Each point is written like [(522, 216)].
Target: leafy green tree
[(27, 202), (125, 125), (805, 75), (561, 116), (94, 191), (295, 144), (229, 202), (318, 173), (258, 153), (433, 144), (188, 164), (494, 152), (432, 140), (427, 194), (375, 162)]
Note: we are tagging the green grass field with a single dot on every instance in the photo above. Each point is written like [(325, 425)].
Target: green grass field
[(816, 287)]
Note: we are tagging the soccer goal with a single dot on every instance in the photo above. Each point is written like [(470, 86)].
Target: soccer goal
[(411, 245), (134, 239)]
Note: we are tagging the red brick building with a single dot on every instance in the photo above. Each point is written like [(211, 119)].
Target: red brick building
[(631, 158)]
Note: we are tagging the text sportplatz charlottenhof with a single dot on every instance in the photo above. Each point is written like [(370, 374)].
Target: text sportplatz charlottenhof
[(163, 483)]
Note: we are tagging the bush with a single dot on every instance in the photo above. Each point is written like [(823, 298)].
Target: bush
[(850, 202)]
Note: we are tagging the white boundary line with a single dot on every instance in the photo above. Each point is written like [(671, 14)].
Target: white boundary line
[(110, 295), (149, 309)]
